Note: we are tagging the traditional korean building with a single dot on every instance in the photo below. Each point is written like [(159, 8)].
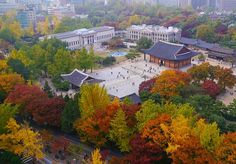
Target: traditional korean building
[(215, 51), (170, 54), (198, 43), (222, 53), (77, 78)]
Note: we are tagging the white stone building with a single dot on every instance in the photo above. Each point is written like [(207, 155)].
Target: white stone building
[(155, 33), (84, 37)]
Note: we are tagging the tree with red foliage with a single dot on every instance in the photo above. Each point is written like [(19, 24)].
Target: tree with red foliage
[(221, 29), (60, 144), (105, 153), (144, 152), (34, 102), (23, 95), (130, 111), (47, 111), (211, 88), (147, 85), (95, 129), (153, 131), (191, 151), (226, 153)]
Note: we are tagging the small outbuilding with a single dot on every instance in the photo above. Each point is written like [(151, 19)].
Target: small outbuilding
[(77, 78)]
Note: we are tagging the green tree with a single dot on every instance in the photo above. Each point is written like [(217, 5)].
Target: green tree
[(144, 43), (69, 115), (8, 157), (3, 95), (62, 63), (209, 108), (119, 131), (132, 54), (7, 111), (230, 111), (205, 105), (148, 111), (70, 24), (47, 89), (91, 61), (205, 32), (7, 35), (17, 66), (109, 60), (85, 59)]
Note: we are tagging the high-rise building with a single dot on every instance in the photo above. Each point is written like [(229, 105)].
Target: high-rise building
[(5, 7), (169, 2), (184, 3), (212, 4), (199, 3), (175, 3), (227, 5), (26, 18)]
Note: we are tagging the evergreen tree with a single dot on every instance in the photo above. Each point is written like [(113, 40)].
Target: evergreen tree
[(69, 115)]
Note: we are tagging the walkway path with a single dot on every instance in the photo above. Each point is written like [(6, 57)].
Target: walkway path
[(88, 149)]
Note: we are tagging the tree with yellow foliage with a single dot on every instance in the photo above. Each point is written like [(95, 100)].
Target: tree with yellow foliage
[(3, 66), (93, 97), (179, 131), (209, 135), (16, 29), (55, 22), (169, 83), (44, 27), (20, 55), (226, 153), (8, 81), (29, 30), (21, 140), (96, 157)]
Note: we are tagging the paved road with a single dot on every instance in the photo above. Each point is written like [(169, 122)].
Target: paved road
[(74, 139)]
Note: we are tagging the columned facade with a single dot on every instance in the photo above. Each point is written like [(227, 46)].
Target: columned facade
[(170, 63), (170, 55)]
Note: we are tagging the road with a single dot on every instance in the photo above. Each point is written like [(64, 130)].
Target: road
[(75, 140)]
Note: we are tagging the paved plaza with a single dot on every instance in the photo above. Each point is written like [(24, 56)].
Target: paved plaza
[(124, 79)]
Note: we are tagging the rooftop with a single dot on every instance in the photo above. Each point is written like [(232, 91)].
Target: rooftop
[(79, 32), (196, 42), (205, 45), (133, 97), (77, 78), (154, 28), (170, 51)]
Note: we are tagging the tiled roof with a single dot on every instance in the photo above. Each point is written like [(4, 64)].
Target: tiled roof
[(196, 42), (169, 51), (102, 28), (82, 31), (210, 46), (133, 97), (154, 28), (223, 50), (76, 77)]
